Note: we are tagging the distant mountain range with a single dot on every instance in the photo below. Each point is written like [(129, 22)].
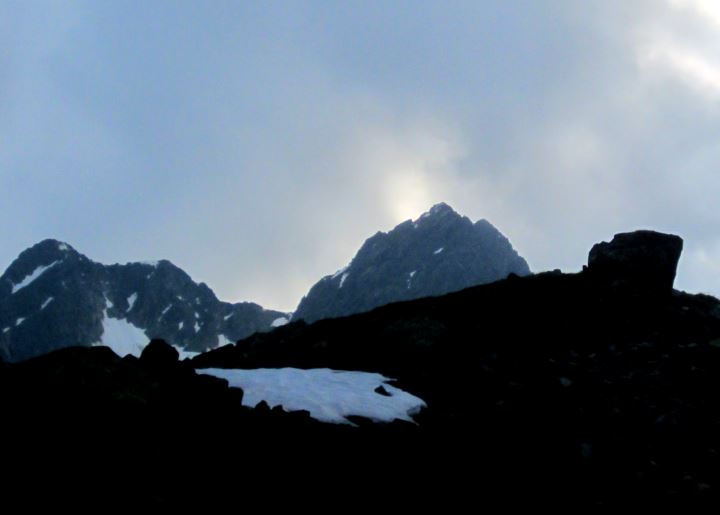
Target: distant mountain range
[(438, 253), (53, 297)]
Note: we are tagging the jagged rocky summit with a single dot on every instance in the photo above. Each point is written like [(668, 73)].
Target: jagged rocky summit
[(53, 297), (438, 253)]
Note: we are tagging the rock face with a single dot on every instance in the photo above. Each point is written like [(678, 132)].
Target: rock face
[(53, 297), (641, 260), (438, 253)]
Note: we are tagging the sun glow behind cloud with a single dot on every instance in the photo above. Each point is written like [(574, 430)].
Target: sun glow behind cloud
[(411, 166)]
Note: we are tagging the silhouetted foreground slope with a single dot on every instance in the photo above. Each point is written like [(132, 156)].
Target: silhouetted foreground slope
[(594, 389)]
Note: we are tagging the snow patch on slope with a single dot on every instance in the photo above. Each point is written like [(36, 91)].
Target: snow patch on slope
[(339, 272), (342, 279), (185, 354), (329, 395), (47, 301), (224, 340), (28, 279), (411, 275), (279, 322), (131, 301), (121, 336)]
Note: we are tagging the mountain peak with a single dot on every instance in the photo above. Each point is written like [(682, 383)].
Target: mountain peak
[(50, 246), (39, 257), (438, 210), (440, 252)]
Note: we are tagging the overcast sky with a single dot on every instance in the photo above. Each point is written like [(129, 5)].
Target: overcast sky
[(258, 144)]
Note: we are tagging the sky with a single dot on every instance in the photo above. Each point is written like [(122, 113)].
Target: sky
[(258, 144)]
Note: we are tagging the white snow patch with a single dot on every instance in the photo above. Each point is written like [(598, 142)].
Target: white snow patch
[(121, 336), (342, 279), (197, 316), (32, 276), (180, 326), (279, 322), (153, 264), (409, 281), (329, 395), (131, 301), (228, 317), (19, 321), (180, 297), (185, 354), (63, 247), (6, 330), (438, 251), (164, 311), (224, 340), (197, 327), (339, 272), (45, 304)]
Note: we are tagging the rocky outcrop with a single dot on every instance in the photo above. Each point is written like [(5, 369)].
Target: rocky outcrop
[(438, 253), (641, 260)]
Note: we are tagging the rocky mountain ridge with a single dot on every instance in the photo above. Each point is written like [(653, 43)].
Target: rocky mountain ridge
[(53, 297)]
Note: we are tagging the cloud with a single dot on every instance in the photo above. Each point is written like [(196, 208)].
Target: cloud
[(257, 146)]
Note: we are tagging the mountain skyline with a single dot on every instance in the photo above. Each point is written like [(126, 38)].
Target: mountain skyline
[(53, 297), (274, 138), (433, 212), (294, 304)]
